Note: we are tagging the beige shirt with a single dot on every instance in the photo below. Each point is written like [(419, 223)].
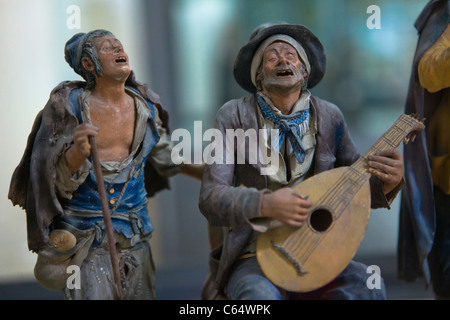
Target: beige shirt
[(298, 171)]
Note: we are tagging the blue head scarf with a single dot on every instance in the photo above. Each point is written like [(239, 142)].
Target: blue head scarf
[(73, 49)]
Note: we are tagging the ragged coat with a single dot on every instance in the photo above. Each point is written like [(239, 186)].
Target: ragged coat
[(33, 182), (417, 214)]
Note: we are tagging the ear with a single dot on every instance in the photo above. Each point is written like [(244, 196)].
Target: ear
[(259, 79), (87, 64), (258, 82)]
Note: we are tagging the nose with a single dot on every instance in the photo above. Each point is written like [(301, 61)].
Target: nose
[(282, 60), (118, 50)]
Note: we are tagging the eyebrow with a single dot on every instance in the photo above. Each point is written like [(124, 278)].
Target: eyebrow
[(284, 48), (112, 42), (267, 51), (283, 44)]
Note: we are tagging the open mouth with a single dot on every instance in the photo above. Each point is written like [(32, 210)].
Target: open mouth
[(284, 73), (121, 60)]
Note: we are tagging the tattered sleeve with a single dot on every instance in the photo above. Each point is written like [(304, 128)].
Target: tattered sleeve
[(161, 154), (222, 203)]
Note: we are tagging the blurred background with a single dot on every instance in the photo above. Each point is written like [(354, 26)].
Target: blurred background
[(185, 50)]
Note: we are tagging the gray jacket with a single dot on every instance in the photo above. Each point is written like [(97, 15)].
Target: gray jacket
[(230, 194)]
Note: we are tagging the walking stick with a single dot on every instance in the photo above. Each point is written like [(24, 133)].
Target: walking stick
[(106, 214)]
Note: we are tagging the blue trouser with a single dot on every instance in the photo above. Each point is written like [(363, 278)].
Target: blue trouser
[(247, 282)]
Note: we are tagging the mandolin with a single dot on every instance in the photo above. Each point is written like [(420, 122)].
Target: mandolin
[(307, 258)]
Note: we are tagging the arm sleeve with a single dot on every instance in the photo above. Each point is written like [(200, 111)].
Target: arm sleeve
[(222, 203), (66, 183), (161, 154)]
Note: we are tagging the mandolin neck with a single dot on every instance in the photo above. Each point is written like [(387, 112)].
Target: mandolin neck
[(357, 174), (397, 133)]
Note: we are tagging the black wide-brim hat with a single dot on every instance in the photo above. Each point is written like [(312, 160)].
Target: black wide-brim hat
[(310, 43)]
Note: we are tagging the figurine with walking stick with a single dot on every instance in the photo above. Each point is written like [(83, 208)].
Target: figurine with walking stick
[(96, 152)]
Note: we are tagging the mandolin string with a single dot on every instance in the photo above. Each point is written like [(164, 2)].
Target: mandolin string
[(395, 134), (312, 240), (292, 242), (386, 141), (347, 179), (391, 139), (330, 198), (294, 248), (320, 237), (310, 244), (308, 237)]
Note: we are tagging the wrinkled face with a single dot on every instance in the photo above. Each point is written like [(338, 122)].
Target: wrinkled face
[(112, 57), (281, 68)]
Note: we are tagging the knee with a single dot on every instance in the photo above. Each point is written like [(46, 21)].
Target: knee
[(358, 282), (253, 288)]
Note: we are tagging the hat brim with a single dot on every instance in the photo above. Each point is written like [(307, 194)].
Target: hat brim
[(313, 48)]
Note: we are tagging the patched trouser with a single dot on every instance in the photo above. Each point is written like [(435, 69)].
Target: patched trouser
[(247, 282), (96, 281)]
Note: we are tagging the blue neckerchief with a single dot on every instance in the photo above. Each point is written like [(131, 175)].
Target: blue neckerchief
[(293, 126)]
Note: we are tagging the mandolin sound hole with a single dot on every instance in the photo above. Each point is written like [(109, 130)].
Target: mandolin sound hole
[(320, 219)]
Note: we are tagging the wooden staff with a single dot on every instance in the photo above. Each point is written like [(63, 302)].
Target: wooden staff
[(106, 214)]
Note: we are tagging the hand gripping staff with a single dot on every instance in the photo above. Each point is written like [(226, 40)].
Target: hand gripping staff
[(106, 214)]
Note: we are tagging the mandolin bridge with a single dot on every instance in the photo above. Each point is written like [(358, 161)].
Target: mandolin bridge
[(297, 265)]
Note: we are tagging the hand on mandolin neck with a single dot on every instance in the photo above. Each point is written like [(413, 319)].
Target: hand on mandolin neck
[(387, 165)]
